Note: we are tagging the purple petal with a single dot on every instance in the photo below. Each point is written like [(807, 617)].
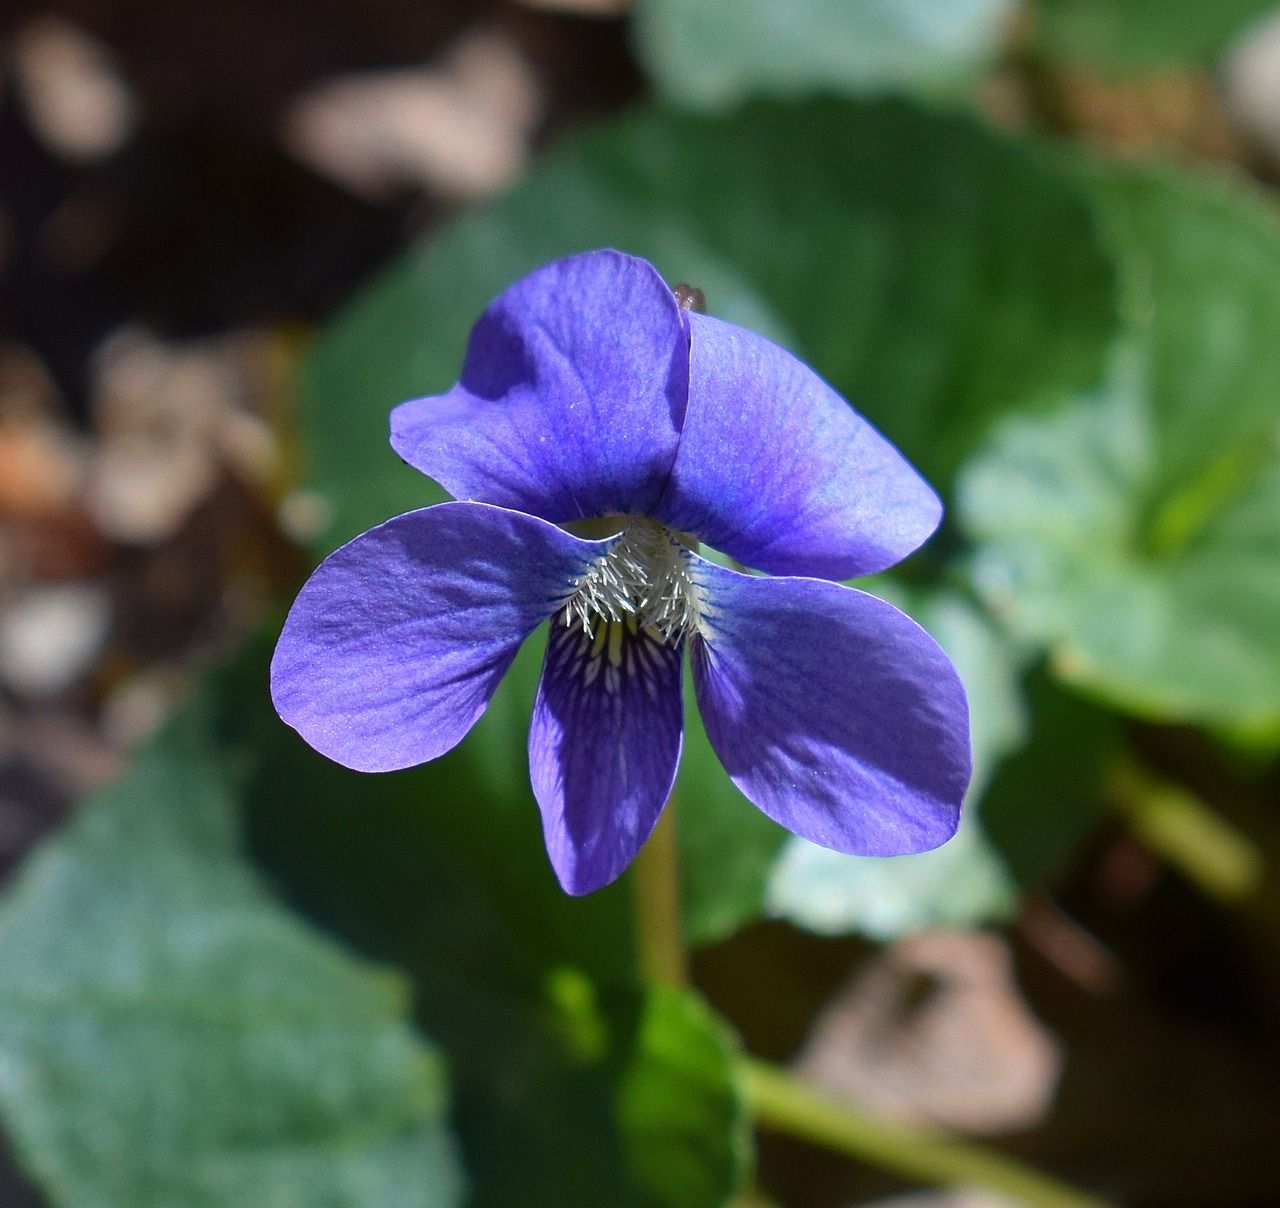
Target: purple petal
[(571, 396), (397, 641), (778, 470), (832, 711), (603, 747)]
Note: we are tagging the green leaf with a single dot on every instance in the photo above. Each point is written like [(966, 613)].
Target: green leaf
[(727, 846), (169, 1034), (611, 1095), (1136, 531), (960, 884), (716, 52), (1142, 34), (1199, 257), (676, 1093), (935, 272), (572, 1084), (1047, 795)]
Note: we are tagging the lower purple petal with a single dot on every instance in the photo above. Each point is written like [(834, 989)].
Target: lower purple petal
[(834, 713), (396, 643), (603, 747)]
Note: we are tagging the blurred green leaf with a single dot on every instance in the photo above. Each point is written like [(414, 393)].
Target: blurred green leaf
[(716, 52), (572, 1085), (170, 1035), (727, 846), (1138, 34), (1137, 531), (961, 884), (1200, 256), (677, 1093), (933, 271), (1047, 795)]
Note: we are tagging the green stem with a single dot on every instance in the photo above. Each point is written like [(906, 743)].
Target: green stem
[(785, 1102), (656, 884), (1177, 826), (1227, 863)]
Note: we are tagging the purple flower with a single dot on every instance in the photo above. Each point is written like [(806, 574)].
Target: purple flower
[(599, 432)]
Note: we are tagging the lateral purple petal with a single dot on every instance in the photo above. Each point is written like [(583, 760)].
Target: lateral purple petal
[(395, 644), (603, 747), (571, 396), (776, 469), (834, 713)]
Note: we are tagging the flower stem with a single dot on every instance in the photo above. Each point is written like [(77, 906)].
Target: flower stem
[(786, 1102), (1172, 822), (656, 884), (1228, 863)]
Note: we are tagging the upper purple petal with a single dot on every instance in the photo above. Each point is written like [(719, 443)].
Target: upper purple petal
[(395, 644), (832, 711), (776, 469), (571, 396), (604, 746)]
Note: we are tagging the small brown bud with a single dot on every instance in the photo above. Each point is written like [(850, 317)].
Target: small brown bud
[(690, 297)]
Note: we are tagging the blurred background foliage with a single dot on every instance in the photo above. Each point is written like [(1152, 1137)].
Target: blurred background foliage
[(1037, 244)]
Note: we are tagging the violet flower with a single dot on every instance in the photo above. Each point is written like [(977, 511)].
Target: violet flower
[(599, 432)]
